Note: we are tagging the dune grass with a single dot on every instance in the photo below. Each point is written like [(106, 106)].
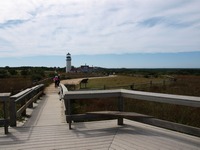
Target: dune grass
[(119, 81)]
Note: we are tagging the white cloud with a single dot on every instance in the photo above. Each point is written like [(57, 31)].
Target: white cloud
[(55, 27)]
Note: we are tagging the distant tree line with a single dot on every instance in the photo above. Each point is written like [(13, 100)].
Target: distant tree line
[(35, 73), (38, 73), (153, 72)]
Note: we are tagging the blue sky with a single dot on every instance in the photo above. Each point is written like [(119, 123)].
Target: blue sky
[(136, 60), (107, 33)]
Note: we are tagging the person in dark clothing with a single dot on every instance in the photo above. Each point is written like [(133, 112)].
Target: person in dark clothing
[(55, 79)]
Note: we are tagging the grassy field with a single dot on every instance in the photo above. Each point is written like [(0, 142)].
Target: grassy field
[(111, 82), (14, 84), (185, 85)]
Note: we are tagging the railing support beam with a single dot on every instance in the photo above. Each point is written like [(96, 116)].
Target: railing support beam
[(4, 98), (13, 117), (120, 108)]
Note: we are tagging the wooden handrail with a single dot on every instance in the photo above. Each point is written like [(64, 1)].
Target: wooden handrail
[(192, 101), (120, 94), (25, 99), (148, 96), (63, 91)]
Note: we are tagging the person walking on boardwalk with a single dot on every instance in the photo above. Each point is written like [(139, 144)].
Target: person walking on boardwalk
[(55, 79)]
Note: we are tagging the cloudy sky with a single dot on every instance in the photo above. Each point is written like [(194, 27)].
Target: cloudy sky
[(100, 32)]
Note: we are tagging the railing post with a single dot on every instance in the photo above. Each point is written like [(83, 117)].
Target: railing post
[(120, 108), (13, 117), (35, 92), (5, 117), (31, 95), (23, 102), (69, 113), (4, 98)]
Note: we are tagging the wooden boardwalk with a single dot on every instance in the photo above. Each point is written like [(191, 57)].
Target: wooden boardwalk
[(47, 129)]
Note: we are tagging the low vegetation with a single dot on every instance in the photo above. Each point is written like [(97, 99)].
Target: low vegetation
[(119, 81)]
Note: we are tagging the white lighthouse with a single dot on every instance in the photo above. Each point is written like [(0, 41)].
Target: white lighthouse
[(68, 62)]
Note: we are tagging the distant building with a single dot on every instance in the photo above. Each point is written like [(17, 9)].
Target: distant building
[(86, 68), (83, 68), (68, 62)]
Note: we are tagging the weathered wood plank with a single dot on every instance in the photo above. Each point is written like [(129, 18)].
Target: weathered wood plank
[(92, 94), (162, 98), (119, 114), (149, 96), (3, 96)]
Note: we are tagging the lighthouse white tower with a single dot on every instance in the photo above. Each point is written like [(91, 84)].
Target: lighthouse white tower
[(68, 62)]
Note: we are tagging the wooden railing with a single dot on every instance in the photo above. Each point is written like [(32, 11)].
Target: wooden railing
[(4, 99), (63, 91), (23, 100), (120, 94), (141, 86)]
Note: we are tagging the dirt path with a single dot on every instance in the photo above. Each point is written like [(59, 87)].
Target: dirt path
[(77, 81), (72, 81)]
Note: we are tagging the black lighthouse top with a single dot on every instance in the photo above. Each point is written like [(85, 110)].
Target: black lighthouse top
[(68, 58)]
